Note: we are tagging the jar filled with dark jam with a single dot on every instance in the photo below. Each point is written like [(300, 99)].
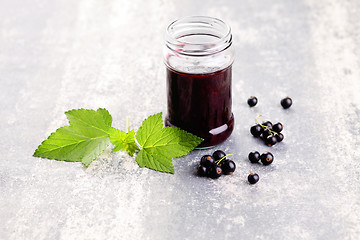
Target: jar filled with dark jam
[(198, 57)]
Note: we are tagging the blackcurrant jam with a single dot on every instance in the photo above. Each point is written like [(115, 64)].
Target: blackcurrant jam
[(198, 57), (201, 104)]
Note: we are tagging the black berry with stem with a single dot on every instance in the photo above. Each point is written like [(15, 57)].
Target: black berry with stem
[(228, 167), (286, 102), (252, 101), (256, 130), (218, 154), (267, 124), (254, 157), (253, 178), (267, 158), (214, 171), (279, 137), (277, 127), (201, 170), (265, 134), (207, 160), (270, 140), (222, 160)]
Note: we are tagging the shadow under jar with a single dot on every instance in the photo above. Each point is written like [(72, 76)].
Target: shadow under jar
[(198, 57)]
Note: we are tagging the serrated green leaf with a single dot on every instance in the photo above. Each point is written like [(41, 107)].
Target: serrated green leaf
[(149, 128), (160, 145), (153, 160), (99, 119), (123, 141), (83, 141)]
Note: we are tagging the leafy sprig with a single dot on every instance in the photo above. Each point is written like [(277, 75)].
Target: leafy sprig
[(90, 133)]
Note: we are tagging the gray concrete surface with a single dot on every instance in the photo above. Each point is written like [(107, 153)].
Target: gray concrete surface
[(60, 55)]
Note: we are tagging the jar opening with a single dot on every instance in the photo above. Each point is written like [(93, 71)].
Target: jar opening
[(198, 35)]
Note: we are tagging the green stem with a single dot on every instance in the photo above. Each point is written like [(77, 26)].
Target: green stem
[(127, 124), (263, 126), (218, 161)]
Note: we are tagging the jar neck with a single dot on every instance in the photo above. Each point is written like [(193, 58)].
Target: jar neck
[(198, 36)]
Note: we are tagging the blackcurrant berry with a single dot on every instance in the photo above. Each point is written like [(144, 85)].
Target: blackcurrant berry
[(286, 102), (278, 127), (256, 130), (201, 171), (252, 101), (267, 123), (214, 171), (279, 137), (253, 178), (267, 158), (254, 157), (265, 134), (228, 167), (207, 161), (218, 154), (270, 140)]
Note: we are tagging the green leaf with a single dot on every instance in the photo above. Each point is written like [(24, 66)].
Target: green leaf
[(83, 141), (160, 145), (123, 141), (99, 119)]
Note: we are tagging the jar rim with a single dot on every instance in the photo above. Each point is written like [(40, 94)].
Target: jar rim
[(213, 28)]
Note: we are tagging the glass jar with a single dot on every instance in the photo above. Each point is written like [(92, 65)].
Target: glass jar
[(198, 57)]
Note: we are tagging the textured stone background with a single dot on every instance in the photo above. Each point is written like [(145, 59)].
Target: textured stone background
[(60, 55)]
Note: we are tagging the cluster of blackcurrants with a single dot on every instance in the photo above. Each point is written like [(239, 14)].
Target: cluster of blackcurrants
[(215, 165), (254, 157), (269, 133)]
